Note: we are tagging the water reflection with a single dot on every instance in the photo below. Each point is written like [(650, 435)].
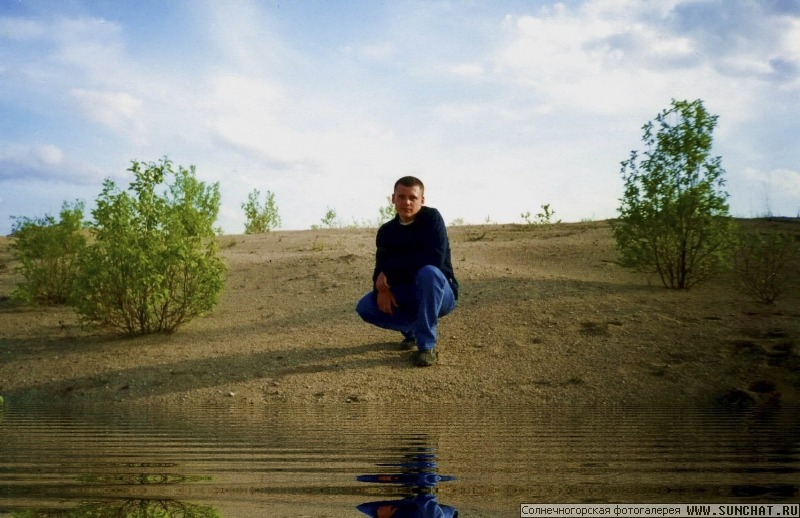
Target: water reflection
[(356, 460), (128, 508), (416, 474)]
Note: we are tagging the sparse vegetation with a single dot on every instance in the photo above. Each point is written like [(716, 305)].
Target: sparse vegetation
[(387, 212), (545, 217), (330, 220), (260, 219), (761, 264), (153, 264), (47, 250), (674, 214)]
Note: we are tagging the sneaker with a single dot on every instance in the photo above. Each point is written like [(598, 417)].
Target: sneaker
[(409, 344), (425, 358)]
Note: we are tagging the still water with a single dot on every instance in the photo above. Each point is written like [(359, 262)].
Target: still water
[(362, 460)]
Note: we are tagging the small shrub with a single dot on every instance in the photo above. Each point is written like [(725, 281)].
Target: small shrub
[(545, 217), (260, 219), (330, 220), (387, 212), (48, 252), (153, 264), (760, 264)]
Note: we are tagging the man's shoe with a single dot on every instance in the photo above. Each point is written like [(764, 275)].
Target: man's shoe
[(425, 358), (409, 344)]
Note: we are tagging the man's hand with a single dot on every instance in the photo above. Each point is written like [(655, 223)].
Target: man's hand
[(386, 300), (381, 282)]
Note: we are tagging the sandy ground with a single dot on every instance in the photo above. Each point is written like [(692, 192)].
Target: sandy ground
[(545, 316)]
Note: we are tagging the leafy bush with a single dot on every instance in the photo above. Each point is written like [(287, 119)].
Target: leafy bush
[(260, 219), (674, 215), (760, 264), (153, 264), (48, 252)]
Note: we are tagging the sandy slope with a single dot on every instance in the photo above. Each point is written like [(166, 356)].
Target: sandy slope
[(546, 316)]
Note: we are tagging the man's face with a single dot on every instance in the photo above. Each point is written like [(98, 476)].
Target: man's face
[(407, 202)]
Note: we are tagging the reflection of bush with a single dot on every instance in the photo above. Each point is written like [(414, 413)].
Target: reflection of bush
[(141, 478), (128, 509)]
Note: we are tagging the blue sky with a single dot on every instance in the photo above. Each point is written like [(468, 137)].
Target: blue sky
[(498, 106)]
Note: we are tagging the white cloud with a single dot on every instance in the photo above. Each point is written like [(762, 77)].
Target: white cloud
[(378, 52), (787, 181), (777, 182), (469, 70), (791, 38), (623, 57), (50, 155), (564, 59), (37, 156), (20, 29), (90, 43), (775, 191), (245, 38), (243, 111), (44, 162), (120, 111), (790, 53)]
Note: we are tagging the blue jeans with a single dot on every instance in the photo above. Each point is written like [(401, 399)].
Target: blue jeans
[(420, 306)]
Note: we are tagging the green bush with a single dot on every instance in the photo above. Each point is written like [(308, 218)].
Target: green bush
[(260, 219), (674, 215), (153, 264), (761, 261), (48, 252)]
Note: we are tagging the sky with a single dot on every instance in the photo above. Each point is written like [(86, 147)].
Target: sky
[(499, 106)]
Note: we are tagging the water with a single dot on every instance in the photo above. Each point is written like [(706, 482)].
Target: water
[(349, 460)]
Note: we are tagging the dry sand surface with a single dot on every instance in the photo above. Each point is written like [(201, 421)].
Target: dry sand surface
[(545, 316)]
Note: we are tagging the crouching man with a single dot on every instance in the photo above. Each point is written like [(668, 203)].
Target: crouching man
[(414, 284)]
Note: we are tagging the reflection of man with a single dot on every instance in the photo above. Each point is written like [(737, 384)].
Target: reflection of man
[(419, 506), (419, 476), (413, 280)]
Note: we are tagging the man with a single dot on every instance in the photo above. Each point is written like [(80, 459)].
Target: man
[(413, 280)]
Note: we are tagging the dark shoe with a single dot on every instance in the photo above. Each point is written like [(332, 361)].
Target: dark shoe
[(425, 358), (409, 344)]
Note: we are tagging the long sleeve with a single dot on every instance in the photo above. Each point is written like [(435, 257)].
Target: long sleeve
[(401, 250)]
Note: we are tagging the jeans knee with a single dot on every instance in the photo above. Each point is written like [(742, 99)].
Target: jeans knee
[(429, 273), (363, 307)]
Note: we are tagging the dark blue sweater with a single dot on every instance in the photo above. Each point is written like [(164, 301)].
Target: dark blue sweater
[(404, 249)]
